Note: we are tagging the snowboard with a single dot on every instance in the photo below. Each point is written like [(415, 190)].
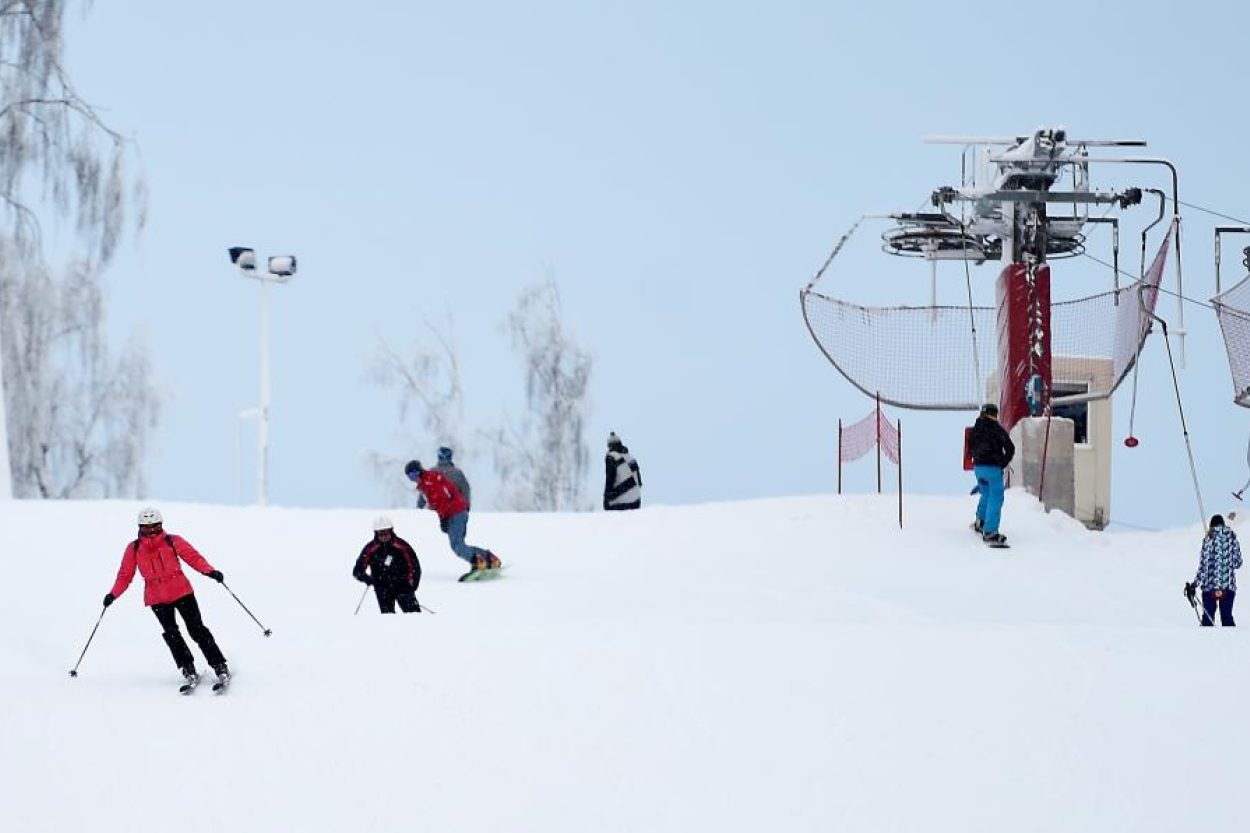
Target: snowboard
[(999, 545), (482, 575)]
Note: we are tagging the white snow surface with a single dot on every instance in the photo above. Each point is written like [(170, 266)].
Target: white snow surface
[(791, 664)]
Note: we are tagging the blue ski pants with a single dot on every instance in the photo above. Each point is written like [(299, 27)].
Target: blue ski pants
[(990, 506), (457, 527)]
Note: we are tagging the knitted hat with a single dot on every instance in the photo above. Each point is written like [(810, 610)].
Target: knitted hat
[(613, 439), (444, 455), (413, 469)]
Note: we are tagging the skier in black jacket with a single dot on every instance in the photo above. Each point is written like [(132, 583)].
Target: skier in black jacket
[(992, 451), (392, 568)]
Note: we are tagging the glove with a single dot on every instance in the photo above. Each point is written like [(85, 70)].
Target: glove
[(109, 598), (216, 576), (444, 524), (1191, 589), (366, 578)]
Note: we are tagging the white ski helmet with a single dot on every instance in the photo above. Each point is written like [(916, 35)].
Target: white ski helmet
[(149, 516), (382, 522)]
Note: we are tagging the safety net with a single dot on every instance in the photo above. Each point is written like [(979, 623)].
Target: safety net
[(1232, 308), (943, 357)]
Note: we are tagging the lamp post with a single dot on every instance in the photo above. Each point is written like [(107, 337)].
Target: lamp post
[(280, 270)]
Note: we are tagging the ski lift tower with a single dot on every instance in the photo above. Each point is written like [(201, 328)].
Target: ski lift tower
[(1028, 202), (1023, 217)]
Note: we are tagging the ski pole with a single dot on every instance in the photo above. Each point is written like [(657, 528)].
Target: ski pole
[(362, 599), (266, 630), (74, 671), (1193, 602)]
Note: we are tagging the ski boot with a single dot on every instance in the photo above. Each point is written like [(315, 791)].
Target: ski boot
[(477, 567), (190, 679)]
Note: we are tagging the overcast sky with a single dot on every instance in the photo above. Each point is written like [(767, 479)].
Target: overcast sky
[(680, 169)]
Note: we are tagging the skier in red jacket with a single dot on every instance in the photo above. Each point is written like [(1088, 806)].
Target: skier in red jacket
[(453, 515), (166, 590)]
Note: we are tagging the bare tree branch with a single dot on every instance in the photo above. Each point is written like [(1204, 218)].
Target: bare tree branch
[(543, 463), (427, 382)]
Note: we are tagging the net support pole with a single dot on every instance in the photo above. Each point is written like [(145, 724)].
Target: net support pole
[(900, 474), (877, 425), (839, 456)]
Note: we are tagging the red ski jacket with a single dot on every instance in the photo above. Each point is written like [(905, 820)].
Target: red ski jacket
[(157, 560), (442, 495)]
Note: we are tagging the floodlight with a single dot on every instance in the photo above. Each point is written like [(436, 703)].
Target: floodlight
[(282, 265), (243, 258)]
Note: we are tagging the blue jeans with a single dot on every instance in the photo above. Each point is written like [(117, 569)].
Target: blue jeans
[(990, 506), (1225, 604), (457, 528)]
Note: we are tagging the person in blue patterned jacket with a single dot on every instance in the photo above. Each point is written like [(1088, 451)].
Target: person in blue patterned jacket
[(1221, 556)]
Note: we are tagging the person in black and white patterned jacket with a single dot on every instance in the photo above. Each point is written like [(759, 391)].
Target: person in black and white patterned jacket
[(1220, 558), (622, 484)]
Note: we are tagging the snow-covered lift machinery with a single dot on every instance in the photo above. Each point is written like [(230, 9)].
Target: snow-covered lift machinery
[(1030, 202)]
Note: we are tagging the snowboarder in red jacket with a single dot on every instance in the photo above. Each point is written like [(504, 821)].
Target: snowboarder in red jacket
[(166, 590), (453, 514)]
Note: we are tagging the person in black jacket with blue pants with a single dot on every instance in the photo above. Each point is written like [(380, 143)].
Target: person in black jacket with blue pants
[(992, 451)]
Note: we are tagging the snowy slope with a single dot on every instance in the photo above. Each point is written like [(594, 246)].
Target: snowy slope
[(788, 664)]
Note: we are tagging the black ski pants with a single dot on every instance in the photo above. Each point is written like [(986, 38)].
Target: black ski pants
[(190, 610), (388, 594), (1225, 603)]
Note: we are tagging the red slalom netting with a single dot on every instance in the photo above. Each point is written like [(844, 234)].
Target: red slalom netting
[(858, 439)]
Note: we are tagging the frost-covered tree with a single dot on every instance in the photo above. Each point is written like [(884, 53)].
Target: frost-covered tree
[(431, 403), (542, 462), (78, 418), (56, 154), (59, 160)]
